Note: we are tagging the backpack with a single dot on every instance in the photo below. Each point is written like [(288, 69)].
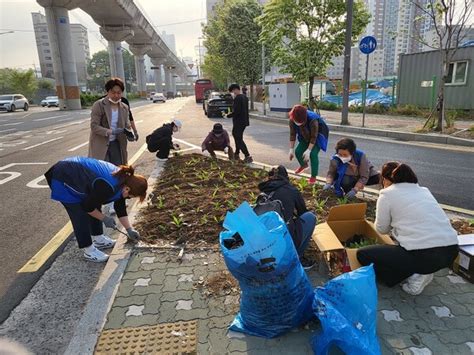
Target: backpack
[(266, 203)]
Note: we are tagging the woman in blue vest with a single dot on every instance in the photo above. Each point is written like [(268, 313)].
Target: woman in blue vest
[(350, 170), (83, 185), (307, 126)]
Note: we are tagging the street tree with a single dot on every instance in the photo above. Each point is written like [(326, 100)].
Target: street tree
[(232, 43), (450, 20), (23, 82), (305, 35), (98, 69)]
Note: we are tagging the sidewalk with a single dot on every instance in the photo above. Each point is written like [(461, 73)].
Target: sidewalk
[(397, 127)]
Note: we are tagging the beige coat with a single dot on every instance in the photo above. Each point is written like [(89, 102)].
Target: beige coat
[(101, 116)]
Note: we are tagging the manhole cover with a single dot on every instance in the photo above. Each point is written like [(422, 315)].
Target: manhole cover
[(165, 338)]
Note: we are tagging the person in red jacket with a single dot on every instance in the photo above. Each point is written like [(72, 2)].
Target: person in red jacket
[(218, 139)]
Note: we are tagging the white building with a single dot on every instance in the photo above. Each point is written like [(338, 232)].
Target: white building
[(80, 46)]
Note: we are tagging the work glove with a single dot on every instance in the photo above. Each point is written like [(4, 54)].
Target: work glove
[(136, 135), (109, 222), (291, 153), (129, 134), (226, 150), (327, 186), (116, 131), (133, 234), (307, 155), (351, 194)]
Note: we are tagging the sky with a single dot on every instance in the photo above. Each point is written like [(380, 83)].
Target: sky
[(18, 49)]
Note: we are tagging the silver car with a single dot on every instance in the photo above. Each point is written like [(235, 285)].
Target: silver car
[(50, 101), (13, 102)]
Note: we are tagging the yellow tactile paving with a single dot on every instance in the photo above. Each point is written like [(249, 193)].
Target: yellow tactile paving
[(167, 338)]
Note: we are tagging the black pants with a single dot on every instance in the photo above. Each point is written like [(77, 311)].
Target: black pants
[(164, 147), (238, 133), (84, 225), (348, 181), (393, 264), (114, 153)]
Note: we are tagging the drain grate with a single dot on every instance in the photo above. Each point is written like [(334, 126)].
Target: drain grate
[(165, 338)]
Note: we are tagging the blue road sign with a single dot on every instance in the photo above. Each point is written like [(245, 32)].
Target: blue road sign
[(367, 44)]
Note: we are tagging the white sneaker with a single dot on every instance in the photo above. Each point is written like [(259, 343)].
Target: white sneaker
[(162, 159), (96, 255), (416, 283), (102, 241)]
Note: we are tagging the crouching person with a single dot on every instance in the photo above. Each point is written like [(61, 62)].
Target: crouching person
[(427, 241), (218, 140), (83, 185), (161, 140), (299, 220)]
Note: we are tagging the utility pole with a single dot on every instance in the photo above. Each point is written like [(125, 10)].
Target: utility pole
[(263, 81), (347, 64)]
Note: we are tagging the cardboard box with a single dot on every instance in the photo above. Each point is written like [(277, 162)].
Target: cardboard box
[(464, 263), (343, 222)]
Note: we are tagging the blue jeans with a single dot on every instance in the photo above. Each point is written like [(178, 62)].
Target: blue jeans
[(308, 223), (83, 224)]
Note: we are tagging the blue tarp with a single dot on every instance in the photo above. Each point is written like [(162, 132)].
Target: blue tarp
[(355, 99)]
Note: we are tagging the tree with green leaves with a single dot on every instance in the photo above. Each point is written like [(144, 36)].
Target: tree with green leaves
[(304, 35), (232, 43), (22, 82), (98, 69)]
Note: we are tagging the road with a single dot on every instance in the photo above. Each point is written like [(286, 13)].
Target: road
[(29, 218), (30, 142)]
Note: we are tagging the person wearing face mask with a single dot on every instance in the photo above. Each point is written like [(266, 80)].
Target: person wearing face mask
[(240, 121), (312, 134), (350, 170), (218, 139), (110, 126), (161, 140), (83, 185), (426, 240)]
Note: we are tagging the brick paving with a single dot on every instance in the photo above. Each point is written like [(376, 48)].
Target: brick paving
[(157, 288)]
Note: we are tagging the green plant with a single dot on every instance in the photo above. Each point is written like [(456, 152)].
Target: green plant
[(302, 184), (319, 205), (252, 196), (314, 190), (230, 204), (203, 175), (471, 222), (363, 243), (176, 187), (342, 200), (221, 175), (217, 205), (214, 193), (204, 219), (160, 202), (177, 220), (325, 105)]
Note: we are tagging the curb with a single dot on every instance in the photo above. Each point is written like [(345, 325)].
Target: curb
[(98, 306), (403, 136)]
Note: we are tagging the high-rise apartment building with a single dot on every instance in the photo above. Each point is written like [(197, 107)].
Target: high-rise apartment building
[(80, 46)]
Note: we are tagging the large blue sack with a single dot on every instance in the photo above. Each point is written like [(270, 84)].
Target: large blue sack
[(347, 309), (276, 294)]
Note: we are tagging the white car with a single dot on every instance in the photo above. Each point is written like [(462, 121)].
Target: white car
[(158, 97), (50, 101), (12, 102)]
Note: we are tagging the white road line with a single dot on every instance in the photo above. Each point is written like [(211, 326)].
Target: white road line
[(139, 121), (27, 114), (8, 130), (48, 118), (45, 142), (12, 124), (78, 146)]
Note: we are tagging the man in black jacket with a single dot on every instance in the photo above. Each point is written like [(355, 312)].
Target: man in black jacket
[(240, 120), (300, 221)]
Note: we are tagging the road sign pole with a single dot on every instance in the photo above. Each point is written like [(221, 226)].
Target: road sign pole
[(263, 81), (365, 90)]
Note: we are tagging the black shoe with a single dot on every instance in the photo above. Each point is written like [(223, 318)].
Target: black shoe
[(248, 160)]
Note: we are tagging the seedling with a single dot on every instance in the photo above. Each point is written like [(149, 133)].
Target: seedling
[(342, 200), (230, 204), (252, 195), (302, 184), (203, 175), (319, 205), (471, 222), (217, 205), (214, 193), (176, 187), (204, 219), (314, 190), (177, 221), (221, 175), (160, 202)]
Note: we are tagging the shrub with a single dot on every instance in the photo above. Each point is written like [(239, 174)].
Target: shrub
[(407, 110), (329, 106), (132, 96), (89, 99)]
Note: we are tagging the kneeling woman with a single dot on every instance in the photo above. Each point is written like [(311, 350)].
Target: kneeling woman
[(427, 241), (83, 185)]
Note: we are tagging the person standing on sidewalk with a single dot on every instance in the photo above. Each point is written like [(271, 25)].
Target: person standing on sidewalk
[(350, 170), (218, 139), (427, 241), (299, 220), (312, 134), (240, 121), (83, 185)]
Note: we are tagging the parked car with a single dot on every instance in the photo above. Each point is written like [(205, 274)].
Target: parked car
[(12, 102), (151, 94), (206, 98), (217, 103), (158, 97), (170, 95), (50, 101)]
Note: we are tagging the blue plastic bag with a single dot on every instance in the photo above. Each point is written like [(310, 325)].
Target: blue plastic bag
[(276, 294), (347, 309)]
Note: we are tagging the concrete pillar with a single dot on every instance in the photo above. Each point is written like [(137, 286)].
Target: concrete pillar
[(158, 77), (139, 53), (173, 83), (115, 38), (64, 64), (168, 86)]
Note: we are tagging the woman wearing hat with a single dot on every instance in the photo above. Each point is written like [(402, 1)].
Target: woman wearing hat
[(305, 125), (218, 139), (161, 140)]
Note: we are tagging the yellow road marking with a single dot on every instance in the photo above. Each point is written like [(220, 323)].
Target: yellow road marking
[(40, 258)]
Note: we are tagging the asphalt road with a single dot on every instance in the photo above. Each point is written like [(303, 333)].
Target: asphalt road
[(30, 142)]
